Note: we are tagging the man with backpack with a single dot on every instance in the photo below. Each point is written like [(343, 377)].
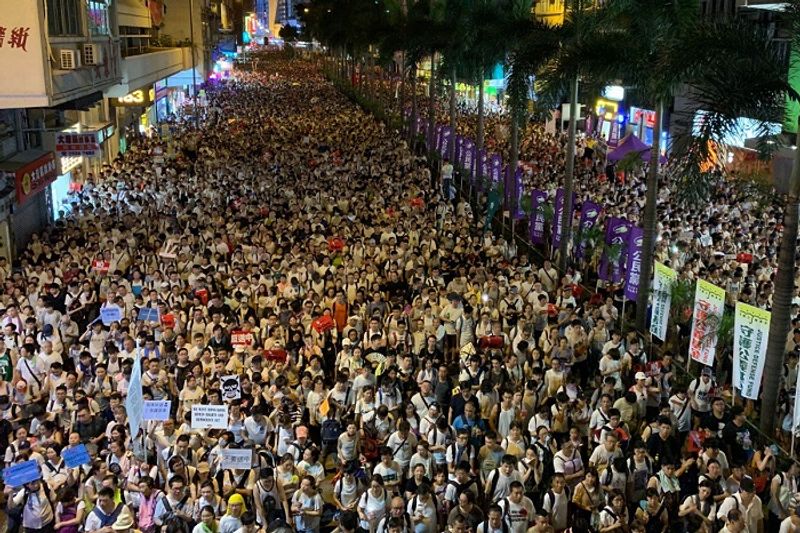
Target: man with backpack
[(177, 502), (105, 513), (37, 511)]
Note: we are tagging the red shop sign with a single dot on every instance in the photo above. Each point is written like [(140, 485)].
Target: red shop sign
[(35, 176)]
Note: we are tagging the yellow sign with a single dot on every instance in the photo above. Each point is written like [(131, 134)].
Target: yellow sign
[(135, 98)]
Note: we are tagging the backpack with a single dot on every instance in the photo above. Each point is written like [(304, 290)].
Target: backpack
[(552, 495), (331, 429), (107, 520)]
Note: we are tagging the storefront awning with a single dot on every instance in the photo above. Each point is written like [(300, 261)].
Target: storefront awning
[(133, 13)]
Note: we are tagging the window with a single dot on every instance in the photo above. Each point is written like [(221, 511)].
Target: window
[(63, 17), (97, 14)]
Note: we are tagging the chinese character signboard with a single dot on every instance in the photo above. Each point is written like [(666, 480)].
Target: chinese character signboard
[(663, 278), (34, 176), (709, 301), (77, 144), (22, 57)]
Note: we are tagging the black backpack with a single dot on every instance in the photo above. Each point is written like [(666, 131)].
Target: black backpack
[(331, 429)]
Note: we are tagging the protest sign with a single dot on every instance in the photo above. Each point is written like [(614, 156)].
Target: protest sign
[(209, 417), (76, 456), (663, 278), (236, 458), (18, 474), (241, 338), (148, 314), (156, 409), (709, 301), (109, 314), (231, 387), (750, 332)]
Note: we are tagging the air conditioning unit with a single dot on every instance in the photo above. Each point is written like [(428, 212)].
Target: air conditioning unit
[(92, 54), (69, 59)]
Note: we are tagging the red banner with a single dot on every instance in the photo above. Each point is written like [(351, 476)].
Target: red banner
[(241, 338), (101, 266), (35, 176)]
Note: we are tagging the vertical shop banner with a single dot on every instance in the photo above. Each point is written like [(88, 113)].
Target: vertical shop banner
[(709, 302), (750, 332), (633, 269), (468, 156), (617, 236), (663, 278), (538, 201), (590, 211), (558, 214)]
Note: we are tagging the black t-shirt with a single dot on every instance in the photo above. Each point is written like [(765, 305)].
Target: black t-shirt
[(663, 450), (738, 441)]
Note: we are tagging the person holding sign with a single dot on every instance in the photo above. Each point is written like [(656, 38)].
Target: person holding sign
[(37, 511)]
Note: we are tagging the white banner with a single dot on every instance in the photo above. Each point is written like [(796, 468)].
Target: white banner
[(156, 409), (709, 303), (209, 417), (750, 333), (663, 278), (236, 458)]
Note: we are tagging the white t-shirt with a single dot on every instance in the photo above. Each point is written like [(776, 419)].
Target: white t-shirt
[(517, 515)]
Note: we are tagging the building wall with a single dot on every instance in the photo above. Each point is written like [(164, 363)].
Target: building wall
[(177, 25)]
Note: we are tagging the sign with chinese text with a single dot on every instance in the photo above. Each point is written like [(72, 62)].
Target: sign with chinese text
[(241, 338), (85, 143), (156, 409), (750, 332), (22, 57), (634, 265), (538, 201), (33, 177), (233, 459), (76, 456), (709, 301), (663, 278), (590, 211), (18, 474)]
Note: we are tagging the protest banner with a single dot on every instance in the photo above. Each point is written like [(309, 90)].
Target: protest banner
[(231, 387), (110, 314), (241, 338), (633, 271), (148, 314), (538, 201), (590, 211), (135, 400), (663, 278), (750, 332), (709, 301)]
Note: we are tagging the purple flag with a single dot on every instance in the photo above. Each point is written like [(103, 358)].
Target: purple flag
[(589, 213), (437, 137), (617, 232), (481, 167), (634, 265), (557, 215), (459, 144), (445, 146), (538, 199)]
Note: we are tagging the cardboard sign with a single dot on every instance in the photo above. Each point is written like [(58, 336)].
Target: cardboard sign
[(209, 417), (236, 459), (21, 473), (156, 409), (241, 338), (76, 456), (231, 387), (110, 314)]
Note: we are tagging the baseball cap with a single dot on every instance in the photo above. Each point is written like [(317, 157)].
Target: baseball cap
[(640, 375), (707, 371)]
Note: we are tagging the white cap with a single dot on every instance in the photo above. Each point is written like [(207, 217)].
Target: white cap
[(640, 375)]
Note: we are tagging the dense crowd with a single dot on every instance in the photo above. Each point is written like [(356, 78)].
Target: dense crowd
[(390, 366)]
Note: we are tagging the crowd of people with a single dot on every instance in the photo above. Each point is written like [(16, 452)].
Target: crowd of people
[(389, 365)]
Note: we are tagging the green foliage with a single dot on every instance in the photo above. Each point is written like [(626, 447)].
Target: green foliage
[(526, 204)]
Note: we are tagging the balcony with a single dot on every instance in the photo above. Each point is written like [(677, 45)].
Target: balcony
[(144, 69)]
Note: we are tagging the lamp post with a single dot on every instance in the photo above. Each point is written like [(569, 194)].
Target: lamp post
[(194, 67)]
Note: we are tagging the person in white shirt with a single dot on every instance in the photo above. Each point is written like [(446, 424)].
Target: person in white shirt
[(748, 504), (403, 443), (499, 480), (518, 509), (37, 511), (422, 508), (494, 522)]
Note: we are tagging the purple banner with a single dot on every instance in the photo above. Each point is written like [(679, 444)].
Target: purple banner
[(481, 167), (518, 191), (445, 147), (496, 168), (538, 200), (468, 157), (438, 137), (617, 232), (558, 213), (421, 124), (589, 213), (634, 264), (459, 144)]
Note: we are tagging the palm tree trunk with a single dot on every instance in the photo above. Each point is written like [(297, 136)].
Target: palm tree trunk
[(781, 304), (451, 145), (432, 104), (512, 170), (649, 238), (479, 140), (566, 215)]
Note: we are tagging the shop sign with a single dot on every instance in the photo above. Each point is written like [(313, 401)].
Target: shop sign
[(86, 143), (638, 114), (35, 176), (140, 98)]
